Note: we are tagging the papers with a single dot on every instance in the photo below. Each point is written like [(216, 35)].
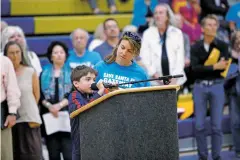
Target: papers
[(53, 124), (226, 71), (213, 57)]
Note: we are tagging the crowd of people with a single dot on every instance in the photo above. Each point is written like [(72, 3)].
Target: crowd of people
[(180, 39)]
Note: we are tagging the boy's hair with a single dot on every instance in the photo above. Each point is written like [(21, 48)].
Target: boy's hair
[(81, 71)]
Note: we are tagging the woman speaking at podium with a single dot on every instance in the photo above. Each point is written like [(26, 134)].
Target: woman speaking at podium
[(120, 67)]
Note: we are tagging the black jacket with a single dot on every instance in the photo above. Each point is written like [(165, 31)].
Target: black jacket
[(199, 55)]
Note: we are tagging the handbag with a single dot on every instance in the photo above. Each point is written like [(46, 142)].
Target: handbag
[(4, 113)]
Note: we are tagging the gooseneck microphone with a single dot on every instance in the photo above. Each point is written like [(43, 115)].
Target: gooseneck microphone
[(165, 79), (106, 85)]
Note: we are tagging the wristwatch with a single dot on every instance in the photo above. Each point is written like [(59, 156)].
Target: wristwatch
[(12, 114)]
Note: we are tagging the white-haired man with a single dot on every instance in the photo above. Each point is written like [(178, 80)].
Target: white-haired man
[(79, 55)]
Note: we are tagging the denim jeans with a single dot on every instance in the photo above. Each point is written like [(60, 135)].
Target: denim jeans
[(214, 96), (235, 121)]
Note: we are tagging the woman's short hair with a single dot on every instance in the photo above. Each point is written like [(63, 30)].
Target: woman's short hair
[(52, 45), (129, 28)]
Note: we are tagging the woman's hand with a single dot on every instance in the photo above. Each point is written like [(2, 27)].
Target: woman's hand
[(54, 109)]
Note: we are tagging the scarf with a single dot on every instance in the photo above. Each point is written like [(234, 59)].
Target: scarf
[(48, 82)]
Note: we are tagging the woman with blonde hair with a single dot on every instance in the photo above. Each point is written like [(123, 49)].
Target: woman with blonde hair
[(162, 50), (99, 37), (15, 33)]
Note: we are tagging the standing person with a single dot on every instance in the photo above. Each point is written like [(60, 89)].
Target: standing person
[(149, 20), (9, 92), (141, 9), (220, 9), (190, 14), (235, 95), (112, 32), (79, 55), (26, 133), (55, 83), (99, 37), (15, 33), (82, 77), (3, 25), (120, 67), (233, 17), (162, 50), (208, 87)]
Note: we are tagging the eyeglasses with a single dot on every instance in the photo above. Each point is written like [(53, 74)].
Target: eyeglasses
[(111, 27), (133, 36)]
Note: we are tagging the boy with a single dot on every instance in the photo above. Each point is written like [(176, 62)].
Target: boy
[(82, 77)]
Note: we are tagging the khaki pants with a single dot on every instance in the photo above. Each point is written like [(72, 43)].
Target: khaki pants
[(6, 144)]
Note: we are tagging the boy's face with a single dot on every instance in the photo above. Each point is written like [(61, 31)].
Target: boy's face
[(84, 84)]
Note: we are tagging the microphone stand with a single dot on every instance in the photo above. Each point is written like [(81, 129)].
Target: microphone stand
[(165, 79)]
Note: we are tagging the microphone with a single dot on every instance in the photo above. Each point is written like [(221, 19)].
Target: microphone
[(106, 85), (177, 76)]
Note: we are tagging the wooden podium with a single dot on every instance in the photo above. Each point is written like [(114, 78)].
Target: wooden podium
[(130, 124)]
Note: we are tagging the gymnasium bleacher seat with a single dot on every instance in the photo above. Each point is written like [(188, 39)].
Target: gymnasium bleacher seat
[(186, 127), (48, 25), (57, 7), (44, 21), (39, 44)]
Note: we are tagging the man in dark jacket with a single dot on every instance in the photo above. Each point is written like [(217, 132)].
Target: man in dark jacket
[(208, 86)]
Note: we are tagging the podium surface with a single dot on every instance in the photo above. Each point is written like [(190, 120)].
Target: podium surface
[(130, 124)]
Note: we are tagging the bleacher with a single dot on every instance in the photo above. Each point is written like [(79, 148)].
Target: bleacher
[(44, 21)]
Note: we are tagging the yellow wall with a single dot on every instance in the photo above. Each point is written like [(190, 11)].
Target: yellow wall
[(46, 7), (66, 24)]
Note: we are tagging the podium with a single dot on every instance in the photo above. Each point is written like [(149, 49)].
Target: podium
[(130, 124)]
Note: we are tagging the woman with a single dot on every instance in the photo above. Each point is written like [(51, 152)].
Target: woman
[(119, 67), (190, 14), (162, 50), (26, 133), (234, 95), (99, 37), (15, 33), (55, 83)]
